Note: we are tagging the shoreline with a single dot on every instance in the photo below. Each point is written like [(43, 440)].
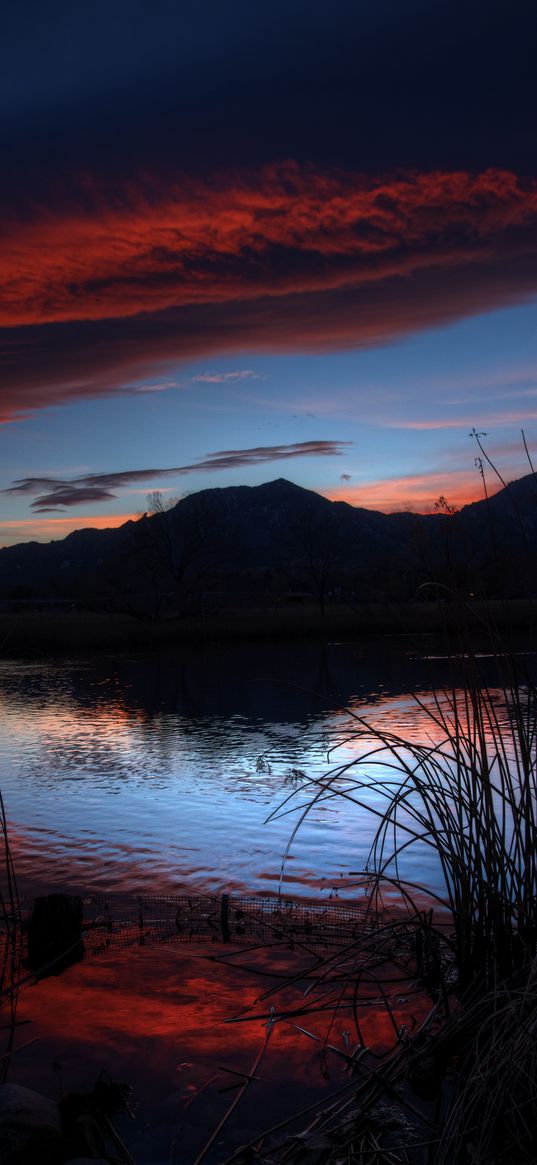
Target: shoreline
[(28, 632)]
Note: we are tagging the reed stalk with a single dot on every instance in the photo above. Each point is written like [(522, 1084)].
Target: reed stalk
[(10, 938)]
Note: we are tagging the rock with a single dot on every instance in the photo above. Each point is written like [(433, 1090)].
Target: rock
[(55, 934), (30, 1126)]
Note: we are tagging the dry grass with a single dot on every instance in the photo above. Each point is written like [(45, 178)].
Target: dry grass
[(465, 1078)]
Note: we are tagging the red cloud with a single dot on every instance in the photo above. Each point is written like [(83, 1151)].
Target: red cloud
[(95, 296), (285, 230)]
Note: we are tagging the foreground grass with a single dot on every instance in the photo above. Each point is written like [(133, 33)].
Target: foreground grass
[(460, 1087)]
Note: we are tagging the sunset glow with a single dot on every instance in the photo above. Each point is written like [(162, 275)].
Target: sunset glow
[(412, 492), (45, 529), (179, 277), (268, 563)]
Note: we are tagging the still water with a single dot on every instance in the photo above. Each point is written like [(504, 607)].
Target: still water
[(146, 773), (167, 773)]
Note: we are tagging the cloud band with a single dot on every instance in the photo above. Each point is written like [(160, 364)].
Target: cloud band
[(52, 494), (95, 297)]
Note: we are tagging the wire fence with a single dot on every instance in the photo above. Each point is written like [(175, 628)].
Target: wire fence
[(116, 921), (58, 930)]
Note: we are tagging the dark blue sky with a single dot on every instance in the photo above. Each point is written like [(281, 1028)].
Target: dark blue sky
[(369, 86)]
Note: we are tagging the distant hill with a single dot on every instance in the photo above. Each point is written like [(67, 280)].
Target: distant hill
[(279, 538)]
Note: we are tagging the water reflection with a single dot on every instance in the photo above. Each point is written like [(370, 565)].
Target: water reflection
[(157, 1019), (159, 772)]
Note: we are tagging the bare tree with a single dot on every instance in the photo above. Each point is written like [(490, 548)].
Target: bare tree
[(320, 548), (176, 543)]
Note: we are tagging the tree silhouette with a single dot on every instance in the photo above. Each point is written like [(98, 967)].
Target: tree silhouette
[(176, 541)]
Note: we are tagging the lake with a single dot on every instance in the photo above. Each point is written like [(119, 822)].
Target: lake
[(163, 773)]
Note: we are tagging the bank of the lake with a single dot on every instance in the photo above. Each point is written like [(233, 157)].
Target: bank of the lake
[(51, 630)]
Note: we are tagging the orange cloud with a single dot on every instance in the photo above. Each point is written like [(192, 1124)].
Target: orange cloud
[(285, 229), (412, 491), (45, 529)]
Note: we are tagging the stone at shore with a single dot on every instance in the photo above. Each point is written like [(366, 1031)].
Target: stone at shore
[(30, 1124), (55, 934)]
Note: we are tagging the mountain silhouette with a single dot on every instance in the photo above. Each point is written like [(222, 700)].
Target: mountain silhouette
[(281, 538)]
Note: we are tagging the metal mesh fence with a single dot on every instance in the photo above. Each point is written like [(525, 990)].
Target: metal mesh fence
[(112, 922), (115, 922)]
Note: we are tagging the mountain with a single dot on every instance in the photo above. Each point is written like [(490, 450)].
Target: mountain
[(277, 538)]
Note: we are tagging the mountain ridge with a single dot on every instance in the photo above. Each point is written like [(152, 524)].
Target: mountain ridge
[(279, 535)]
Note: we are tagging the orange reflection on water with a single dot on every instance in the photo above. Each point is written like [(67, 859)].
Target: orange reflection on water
[(157, 1019), (77, 730)]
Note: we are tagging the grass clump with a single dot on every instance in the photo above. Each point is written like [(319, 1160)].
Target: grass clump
[(463, 798), (460, 801), (471, 797)]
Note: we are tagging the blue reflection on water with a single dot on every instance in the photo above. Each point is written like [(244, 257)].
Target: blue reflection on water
[(165, 772)]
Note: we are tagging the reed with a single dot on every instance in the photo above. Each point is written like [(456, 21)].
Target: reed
[(468, 794), (491, 1114), (10, 939), (471, 796), (464, 794)]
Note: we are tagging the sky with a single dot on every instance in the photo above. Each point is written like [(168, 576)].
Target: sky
[(247, 241)]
